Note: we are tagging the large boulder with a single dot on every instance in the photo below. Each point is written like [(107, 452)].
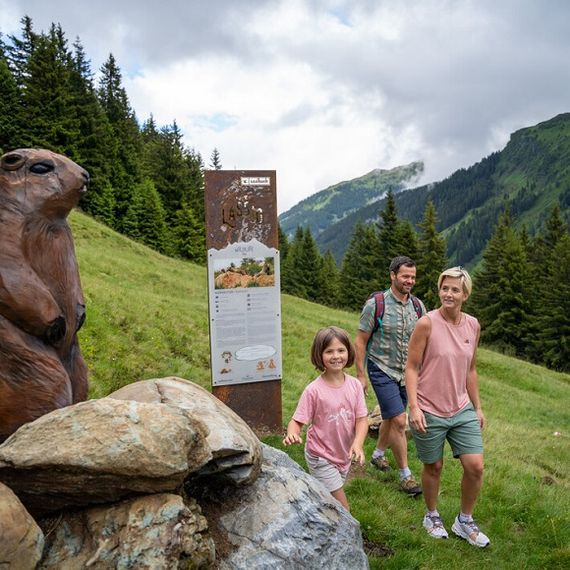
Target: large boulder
[(101, 451), (285, 520), (21, 539), (155, 531), (236, 451)]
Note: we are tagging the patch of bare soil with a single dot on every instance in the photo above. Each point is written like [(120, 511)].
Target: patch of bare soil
[(377, 549)]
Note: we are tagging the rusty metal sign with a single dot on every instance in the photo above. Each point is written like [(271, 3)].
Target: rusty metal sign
[(244, 294)]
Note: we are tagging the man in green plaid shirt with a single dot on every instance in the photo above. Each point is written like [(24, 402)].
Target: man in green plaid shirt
[(384, 350)]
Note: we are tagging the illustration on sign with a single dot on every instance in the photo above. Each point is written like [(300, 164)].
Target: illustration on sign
[(245, 313)]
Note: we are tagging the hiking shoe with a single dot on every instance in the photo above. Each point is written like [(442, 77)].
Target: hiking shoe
[(434, 526), (470, 532), (409, 485), (380, 463)]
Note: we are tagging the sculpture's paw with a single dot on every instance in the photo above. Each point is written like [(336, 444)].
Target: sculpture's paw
[(56, 331)]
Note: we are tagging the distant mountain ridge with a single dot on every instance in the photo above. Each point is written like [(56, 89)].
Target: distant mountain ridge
[(530, 175), (335, 203)]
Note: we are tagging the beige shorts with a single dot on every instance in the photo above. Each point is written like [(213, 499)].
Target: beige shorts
[(325, 472)]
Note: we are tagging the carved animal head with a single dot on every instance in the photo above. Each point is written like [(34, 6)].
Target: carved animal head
[(42, 181)]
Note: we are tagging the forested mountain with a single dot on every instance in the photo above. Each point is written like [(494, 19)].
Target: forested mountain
[(144, 182), (327, 207), (530, 175)]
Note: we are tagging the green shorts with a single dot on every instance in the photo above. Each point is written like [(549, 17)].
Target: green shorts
[(462, 430)]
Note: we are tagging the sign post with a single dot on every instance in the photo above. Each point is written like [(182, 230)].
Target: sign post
[(244, 294)]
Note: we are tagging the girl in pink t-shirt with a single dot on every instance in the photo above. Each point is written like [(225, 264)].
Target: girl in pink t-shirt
[(334, 408)]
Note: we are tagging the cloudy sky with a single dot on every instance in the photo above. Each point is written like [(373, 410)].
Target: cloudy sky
[(327, 90)]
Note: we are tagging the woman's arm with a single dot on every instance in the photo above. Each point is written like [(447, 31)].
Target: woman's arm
[(473, 383), (416, 350)]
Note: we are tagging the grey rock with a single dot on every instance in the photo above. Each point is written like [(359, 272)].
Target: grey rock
[(101, 451), (236, 450), (155, 531), (21, 539), (287, 520)]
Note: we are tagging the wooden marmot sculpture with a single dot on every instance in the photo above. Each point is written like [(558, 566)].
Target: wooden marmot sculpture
[(41, 302)]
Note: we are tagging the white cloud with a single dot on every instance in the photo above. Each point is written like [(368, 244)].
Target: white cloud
[(327, 90)]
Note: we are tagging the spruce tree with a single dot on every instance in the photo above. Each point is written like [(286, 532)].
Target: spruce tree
[(145, 220), (329, 281), (431, 260), (359, 271), (189, 235), (291, 279), (283, 243), (9, 104), (127, 168), (46, 100), (552, 340), (215, 160), (501, 298), (97, 146)]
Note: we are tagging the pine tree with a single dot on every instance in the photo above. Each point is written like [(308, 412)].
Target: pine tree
[(145, 220), (97, 146), (396, 237), (432, 259), (310, 262), (215, 160), (552, 340), (283, 243), (359, 272), (46, 100), (189, 235), (291, 274), (501, 297), (127, 168), (329, 282), (9, 103), (301, 270)]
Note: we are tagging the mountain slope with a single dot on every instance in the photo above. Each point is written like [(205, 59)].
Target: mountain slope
[(333, 204), (529, 175), (147, 317)]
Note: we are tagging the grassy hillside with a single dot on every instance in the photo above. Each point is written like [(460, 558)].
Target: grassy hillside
[(147, 317)]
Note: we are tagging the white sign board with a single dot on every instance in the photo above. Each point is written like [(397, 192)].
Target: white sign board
[(245, 313)]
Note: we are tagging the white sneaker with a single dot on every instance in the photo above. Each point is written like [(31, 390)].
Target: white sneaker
[(470, 532), (434, 526)]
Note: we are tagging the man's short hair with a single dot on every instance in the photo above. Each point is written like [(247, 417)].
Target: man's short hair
[(397, 262)]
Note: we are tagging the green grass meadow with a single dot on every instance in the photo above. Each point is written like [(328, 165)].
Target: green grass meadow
[(147, 317)]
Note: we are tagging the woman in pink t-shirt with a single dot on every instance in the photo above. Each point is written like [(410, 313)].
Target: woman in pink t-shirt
[(443, 394), (334, 408)]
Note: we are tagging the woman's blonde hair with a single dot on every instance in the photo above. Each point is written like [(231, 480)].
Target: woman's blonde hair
[(457, 272), (323, 338)]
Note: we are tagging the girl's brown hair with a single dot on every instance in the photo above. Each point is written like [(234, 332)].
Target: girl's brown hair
[(323, 338)]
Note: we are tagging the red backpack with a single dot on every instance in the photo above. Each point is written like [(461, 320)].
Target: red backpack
[(379, 310)]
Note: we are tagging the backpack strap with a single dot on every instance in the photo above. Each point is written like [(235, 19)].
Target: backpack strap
[(417, 306), (378, 297)]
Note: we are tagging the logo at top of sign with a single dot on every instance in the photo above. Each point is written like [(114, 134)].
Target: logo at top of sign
[(255, 180)]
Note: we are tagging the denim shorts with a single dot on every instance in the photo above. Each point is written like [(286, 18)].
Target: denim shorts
[(462, 430), (392, 396)]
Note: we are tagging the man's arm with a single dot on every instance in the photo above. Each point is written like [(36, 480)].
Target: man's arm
[(360, 345)]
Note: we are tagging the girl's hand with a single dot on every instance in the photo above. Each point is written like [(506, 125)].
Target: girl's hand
[(292, 438), (418, 420), (357, 454)]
